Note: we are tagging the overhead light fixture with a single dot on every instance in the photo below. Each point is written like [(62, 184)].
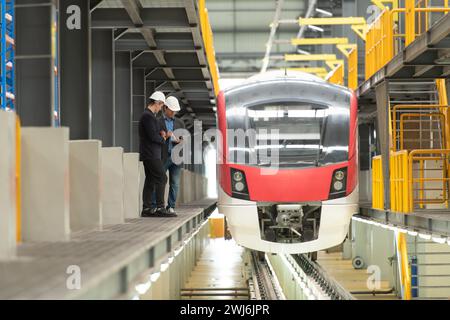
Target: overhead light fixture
[(401, 230), (439, 239), (164, 266), (303, 52), (142, 288), (316, 28), (155, 276), (413, 233), (425, 236), (324, 12)]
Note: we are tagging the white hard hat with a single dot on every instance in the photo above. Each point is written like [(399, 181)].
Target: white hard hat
[(173, 104), (158, 96)]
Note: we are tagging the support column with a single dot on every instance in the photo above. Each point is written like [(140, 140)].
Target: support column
[(75, 67), (123, 103), (382, 95), (35, 61), (8, 200), (103, 98), (139, 103)]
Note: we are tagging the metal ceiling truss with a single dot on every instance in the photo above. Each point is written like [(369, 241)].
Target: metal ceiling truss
[(166, 40)]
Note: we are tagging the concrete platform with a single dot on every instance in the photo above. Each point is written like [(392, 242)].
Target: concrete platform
[(434, 221), (106, 260)]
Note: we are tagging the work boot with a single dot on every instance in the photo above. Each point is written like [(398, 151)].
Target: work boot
[(148, 212), (171, 212), (161, 211)]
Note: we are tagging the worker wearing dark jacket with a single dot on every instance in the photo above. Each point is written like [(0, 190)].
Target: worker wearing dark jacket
[(152, 138), (170, 124)]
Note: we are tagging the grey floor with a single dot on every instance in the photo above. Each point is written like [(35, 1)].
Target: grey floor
[(40, 269)]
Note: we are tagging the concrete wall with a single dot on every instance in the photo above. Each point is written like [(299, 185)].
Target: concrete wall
[(45, 184), (131, 185), (375, 246), (7, 184), (433, 268), (193, 186), (113, 182), (85, 184)]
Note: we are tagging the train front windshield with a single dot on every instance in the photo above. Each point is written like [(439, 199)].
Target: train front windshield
[(288, 134)]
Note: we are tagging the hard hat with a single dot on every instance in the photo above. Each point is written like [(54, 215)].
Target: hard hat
[(173, 104), (158, 96)]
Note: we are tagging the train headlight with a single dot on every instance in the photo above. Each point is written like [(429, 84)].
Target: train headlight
[(338, 184), (239, 187), (238, 176), (339, 175)]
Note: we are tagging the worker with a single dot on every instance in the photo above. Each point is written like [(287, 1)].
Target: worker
[(170, 124), (151, 140)]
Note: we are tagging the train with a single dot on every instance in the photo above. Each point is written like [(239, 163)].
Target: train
[(287, 162)]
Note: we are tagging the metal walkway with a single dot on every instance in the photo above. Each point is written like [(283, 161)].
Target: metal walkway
[(108, 260)]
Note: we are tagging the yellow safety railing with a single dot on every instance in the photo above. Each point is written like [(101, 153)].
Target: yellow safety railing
[(399, 181), (379, 43), (18, 185), (396, 28), (420, 130), (443, 101), (337, 75), (405, 271), (420, 15), (428, 177), (435, 124), (353, 69), (209, 45), (377, 183)]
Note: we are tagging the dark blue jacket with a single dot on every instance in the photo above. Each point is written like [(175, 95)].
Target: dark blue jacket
[(150, 141)]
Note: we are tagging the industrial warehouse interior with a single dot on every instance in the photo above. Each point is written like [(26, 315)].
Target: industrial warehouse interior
[(246, 151)]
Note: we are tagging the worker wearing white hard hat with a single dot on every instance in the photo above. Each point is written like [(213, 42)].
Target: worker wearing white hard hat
[(159, 97), (171, 125), (152, 138)]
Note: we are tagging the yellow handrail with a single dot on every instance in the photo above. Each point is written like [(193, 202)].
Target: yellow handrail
[(405, 274), (428, 117), (397, 108), (399, 181), (385, 35), (379, 43), (377, 183), (428, 155)]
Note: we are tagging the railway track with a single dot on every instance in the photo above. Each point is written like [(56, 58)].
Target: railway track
[(262, 283), (323, 285)]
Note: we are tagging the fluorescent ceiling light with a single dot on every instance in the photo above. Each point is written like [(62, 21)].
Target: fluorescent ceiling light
[(401, 230), (439, 240), (300, 51), (413, 233), (324, 12), (316, 28), (425, 236), (155, 276)]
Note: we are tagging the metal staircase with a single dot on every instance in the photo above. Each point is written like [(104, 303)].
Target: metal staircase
[(420, 132), (7, 43)]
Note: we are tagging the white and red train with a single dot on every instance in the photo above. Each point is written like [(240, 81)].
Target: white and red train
[(291, 184)]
